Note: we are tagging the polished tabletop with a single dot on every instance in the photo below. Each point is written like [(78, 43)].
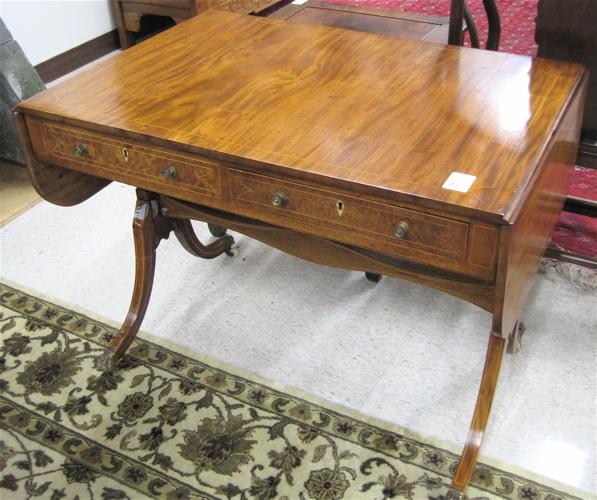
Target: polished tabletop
[(389, 116)]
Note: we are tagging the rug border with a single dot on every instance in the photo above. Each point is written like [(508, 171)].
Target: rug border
[(311, 398)]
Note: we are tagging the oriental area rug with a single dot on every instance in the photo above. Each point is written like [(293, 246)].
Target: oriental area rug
[(169, 424)]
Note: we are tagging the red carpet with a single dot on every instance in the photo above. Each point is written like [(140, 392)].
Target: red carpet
[(578, 233)]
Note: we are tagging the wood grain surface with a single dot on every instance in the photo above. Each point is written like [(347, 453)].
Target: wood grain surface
[(376, 114)]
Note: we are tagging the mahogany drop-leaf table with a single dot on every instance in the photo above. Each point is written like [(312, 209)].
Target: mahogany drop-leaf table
[(443, 165)]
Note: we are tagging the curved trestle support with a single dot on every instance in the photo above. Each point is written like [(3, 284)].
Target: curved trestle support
[(150, 226)]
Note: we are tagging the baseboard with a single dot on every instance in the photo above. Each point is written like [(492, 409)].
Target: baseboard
[(73, 59)]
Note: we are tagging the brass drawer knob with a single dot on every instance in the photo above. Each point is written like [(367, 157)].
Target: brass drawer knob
[(80, 150), (279, 199), (400, 230), (169, 172)]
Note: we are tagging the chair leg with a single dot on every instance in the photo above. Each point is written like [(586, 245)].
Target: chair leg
[(455, 34), (126, 38), (471, 27), (459, 12), (495, 25)]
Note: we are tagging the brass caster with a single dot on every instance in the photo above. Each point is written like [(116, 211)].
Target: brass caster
[(107, 361), (233, 251), (515, 340), (454, 494)]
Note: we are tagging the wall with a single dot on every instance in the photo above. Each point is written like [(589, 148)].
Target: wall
[(47, 28)]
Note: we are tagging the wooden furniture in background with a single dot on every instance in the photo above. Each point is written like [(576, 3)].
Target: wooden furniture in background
[(569, 34), (437, 164), (396, 23), (367, 20), (128, 13), (460, 13)]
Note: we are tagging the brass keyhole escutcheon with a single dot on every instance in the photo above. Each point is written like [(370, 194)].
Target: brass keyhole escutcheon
[(340, 207), (401, 230), (279, 199), (169, 172), (125, 153), (80, 150)]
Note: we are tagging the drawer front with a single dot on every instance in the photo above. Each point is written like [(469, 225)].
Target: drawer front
[(148, 167), (394, 230)]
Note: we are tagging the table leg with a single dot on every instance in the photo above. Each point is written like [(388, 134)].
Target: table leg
[(491, 372), (187, 238), (149, 228), (146, 242), (216, 230)]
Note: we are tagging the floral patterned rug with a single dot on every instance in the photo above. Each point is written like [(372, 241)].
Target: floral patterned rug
[(168, 424)]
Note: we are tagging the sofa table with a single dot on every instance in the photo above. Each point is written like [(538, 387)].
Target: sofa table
[(442, 165)]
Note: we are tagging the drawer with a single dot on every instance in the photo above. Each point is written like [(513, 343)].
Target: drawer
[(142, 166), (395, 230)]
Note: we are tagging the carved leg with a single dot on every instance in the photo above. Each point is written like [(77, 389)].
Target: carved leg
[(149, 228), (491, 372), (187, 238), (146, 241)]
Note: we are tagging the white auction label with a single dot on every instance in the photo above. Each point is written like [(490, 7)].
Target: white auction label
[(459, 182)]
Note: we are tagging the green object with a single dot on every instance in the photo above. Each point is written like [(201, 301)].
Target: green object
[(18, 81)]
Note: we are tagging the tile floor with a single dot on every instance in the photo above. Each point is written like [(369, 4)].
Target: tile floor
[(393, 350)]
